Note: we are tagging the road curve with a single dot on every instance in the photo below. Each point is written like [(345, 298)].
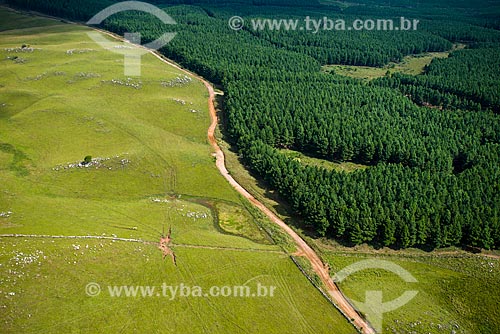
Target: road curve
[(303, 248)]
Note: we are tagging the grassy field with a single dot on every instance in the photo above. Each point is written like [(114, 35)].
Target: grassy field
[(457, 293), (47, 292), (62, 98), (236, 220), (329, 165), (411, 65)]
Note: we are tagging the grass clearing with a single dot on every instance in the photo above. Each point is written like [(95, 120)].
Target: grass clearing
[(347, 166), (62, 97), (237, 220), (411, 65)]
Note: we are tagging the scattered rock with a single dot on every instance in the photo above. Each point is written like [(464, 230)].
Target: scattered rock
[(105, 163), (22, 50), (127, 83), (6, 214), (89, 75), (177, 82), (37, 78), (158, 200), (196, 215), (79, 51), (181, 102)]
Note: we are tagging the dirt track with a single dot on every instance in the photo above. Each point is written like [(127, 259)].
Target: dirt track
[(304, 249)]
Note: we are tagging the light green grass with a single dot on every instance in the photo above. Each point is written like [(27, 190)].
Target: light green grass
[(49, 296), (55, 109), (411, 65), (329, 165), (60, 118), (238, 221), (456, 293)]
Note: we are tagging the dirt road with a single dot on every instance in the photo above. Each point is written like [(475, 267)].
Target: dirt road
[(304, 249)]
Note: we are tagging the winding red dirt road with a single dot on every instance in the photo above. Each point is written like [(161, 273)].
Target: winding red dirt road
[(303, 248)]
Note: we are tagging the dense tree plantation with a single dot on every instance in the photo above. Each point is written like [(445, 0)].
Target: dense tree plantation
[(469, 79), (432, 141), (353, 122), (219, 52), (367, 48), (390, 204)]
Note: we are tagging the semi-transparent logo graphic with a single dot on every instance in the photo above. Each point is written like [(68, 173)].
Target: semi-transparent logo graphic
[(373, 306), (133, 55)]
